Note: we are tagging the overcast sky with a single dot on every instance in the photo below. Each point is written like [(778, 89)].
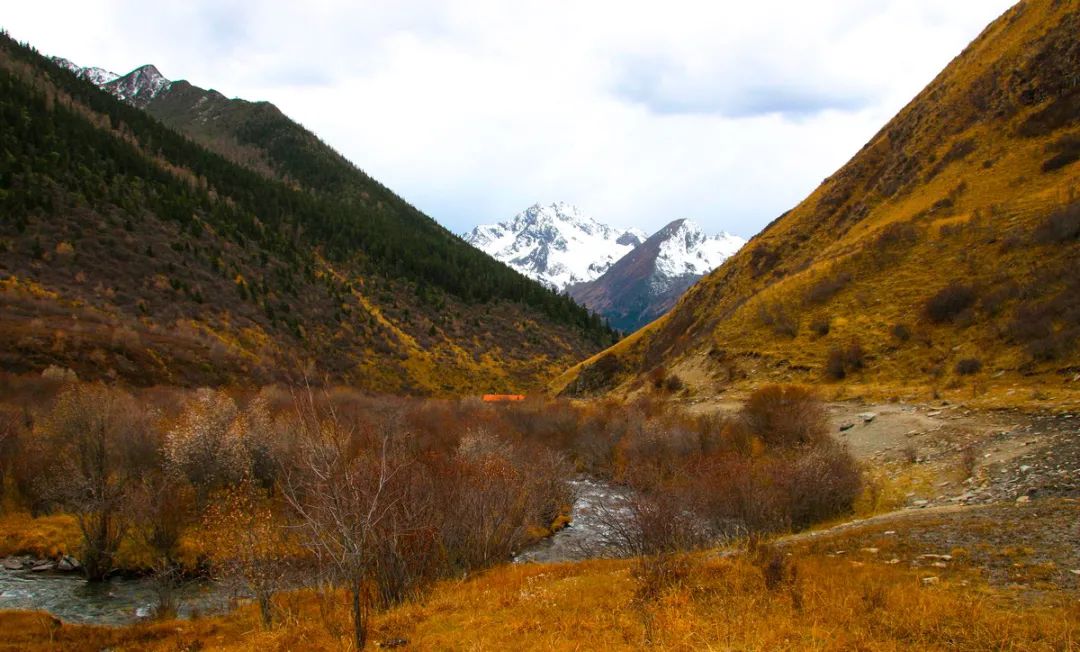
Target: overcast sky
[(728, 113)]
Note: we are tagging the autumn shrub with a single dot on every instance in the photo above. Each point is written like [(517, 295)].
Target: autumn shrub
[(1062, 225), (820, 326), (656, 377), (779, 318), (968, 366), (785, 416), (948, 303), (897, 234), (834, 364), (827, 287), (843, 360), (12, 440), (205, 446), (901, 332), (673, 384), (820, 483), (1065, 151)]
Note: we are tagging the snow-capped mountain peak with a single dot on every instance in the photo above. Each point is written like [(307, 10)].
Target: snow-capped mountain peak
[(556, 244), (686, 249), (648, 281), (140, 86)]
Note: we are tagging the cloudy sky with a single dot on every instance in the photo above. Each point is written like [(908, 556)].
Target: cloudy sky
[(638, 112)]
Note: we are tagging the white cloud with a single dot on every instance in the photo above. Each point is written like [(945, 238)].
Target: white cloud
[(728, 113)]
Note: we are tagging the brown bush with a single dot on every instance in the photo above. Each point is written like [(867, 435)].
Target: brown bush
[(1063, 225), (95, 437), (968, 366), (785, 416), (901, 332), (656, 377), (674, 384), (827, 287), (842, 361), (897, 234), (1066, 151), (779, 318), (820, 326), (854, 357), (948, 303), (834, 364), (822, 483)]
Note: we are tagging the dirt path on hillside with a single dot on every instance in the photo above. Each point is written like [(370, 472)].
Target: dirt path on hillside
[(946, 454)]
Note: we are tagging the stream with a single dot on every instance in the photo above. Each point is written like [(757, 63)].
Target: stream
[(118, 601), (122, 601), (596, 502)]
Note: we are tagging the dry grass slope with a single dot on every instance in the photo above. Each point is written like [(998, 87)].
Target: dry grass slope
[(974, 185)]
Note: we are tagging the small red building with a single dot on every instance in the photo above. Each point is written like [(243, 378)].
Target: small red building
[(502, 398)]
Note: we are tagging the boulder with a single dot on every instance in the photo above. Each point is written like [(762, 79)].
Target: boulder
[(11, 563)]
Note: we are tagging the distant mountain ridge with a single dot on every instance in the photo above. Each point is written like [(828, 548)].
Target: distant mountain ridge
[(646, 283), (556, 244)]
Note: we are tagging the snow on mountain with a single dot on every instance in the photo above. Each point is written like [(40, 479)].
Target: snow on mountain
[(648, 281), (96, 76), (687, 250), (556, 244), (139, 87)]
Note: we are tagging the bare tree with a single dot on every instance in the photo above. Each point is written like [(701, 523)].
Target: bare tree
[(341, 492), (98, 439)]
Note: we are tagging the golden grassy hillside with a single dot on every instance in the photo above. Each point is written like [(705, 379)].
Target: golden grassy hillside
[(944, 256)]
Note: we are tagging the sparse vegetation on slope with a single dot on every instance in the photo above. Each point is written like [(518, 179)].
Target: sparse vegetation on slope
[(950, 236)]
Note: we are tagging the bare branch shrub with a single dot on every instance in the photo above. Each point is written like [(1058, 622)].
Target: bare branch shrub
[(949, 303), (96, 437), (785, 415)]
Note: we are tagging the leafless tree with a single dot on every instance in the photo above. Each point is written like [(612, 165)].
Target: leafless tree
[(98, 439), (342, 495)]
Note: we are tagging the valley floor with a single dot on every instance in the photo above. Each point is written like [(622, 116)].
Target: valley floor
[(969, 539)]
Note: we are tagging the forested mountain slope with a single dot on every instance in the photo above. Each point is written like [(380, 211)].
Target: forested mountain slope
[(128, 250)]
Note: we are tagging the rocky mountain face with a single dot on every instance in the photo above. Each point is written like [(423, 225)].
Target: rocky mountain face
[(942, 258), (645, 283), (556, 244)]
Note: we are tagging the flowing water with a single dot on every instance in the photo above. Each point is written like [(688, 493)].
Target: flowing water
[(118, 601), (597, 503), (121, 601)]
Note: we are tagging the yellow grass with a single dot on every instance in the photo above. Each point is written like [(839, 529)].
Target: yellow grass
[(835, 604), (44, 537)]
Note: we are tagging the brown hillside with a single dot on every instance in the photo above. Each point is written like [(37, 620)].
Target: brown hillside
[(944, 255)]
